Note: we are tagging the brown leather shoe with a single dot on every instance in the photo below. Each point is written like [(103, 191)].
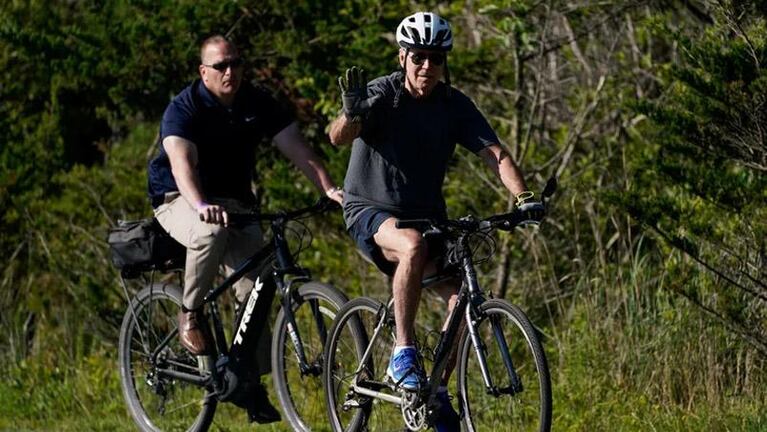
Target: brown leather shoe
[(193, 332)]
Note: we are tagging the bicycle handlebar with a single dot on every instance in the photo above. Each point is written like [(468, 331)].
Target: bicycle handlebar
[(525, 214), (324, 204)]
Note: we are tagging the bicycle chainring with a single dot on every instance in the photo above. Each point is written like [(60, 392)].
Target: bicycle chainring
[(413, 411)]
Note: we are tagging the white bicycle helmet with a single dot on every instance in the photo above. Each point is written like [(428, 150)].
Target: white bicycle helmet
[(425, 30)]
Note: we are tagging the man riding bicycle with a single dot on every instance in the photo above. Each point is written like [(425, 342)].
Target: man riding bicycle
[(208, 140), (403, 128)]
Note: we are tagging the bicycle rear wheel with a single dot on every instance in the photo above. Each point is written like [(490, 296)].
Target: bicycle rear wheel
[(349, 410), (156, 401), (526, 408), (301, 393)]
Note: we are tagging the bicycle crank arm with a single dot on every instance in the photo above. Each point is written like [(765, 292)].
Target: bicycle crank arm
[(378, 395)]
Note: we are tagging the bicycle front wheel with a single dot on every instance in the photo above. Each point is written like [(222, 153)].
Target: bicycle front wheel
[(149, 348), (519, 395), (300, 392), (350, 409)]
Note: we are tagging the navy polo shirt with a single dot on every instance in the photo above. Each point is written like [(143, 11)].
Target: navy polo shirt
[(226, 139)]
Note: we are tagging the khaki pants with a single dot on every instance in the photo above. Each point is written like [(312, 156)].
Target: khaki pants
[(207, 247)]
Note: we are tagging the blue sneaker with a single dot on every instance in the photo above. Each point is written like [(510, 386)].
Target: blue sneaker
[(447, 420), (404, 366)]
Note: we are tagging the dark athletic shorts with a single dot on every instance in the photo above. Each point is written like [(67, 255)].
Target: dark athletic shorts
[(366, 226)]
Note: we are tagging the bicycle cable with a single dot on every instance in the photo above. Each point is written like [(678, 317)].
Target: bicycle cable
[(480, 239), (300, 233)]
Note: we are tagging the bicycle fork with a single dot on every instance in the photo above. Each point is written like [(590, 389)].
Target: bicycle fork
[(473, 318), (295, 338)]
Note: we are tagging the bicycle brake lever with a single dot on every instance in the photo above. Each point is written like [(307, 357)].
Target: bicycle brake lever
[(550, 188)]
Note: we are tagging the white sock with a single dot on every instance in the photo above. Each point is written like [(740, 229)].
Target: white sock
[(399, 348)]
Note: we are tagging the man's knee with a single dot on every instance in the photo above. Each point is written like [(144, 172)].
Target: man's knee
[(413, 249)]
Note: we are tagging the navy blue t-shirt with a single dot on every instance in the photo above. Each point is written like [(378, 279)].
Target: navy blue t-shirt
[(226, 139), (398, 162)]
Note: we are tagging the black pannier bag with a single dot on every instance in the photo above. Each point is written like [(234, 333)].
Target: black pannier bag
[(143, 245)]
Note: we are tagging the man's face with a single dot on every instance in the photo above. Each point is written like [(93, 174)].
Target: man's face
[(221, 70), (423, 69)]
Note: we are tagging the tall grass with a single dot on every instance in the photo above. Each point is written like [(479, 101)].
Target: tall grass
[(625, 351)]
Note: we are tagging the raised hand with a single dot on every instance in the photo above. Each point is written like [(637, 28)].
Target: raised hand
[(354, 93)]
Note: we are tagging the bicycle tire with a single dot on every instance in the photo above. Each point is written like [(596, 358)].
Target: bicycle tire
[(528, 410), (299, 393), (347, 342), (157, 403)]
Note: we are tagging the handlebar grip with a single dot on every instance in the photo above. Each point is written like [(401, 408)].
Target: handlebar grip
[(530, 214), (327, 204), (413, 223)]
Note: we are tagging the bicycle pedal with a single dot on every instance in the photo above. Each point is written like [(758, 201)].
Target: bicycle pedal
[(392, 385), (351, 403), (355, 402)]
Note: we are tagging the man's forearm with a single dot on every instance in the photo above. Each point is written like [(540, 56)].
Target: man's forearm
[(182, 154), (511, 176), (188, 186), (504, 167), (343, 131), (292, 144), (313, 168)]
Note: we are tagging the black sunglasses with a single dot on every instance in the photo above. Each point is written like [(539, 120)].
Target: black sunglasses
[(224, 64), (437, 59)]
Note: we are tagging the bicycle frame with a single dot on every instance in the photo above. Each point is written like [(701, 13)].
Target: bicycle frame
[(286, 272), (470, 297)]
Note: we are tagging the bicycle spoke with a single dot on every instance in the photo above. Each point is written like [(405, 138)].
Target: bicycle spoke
[(346, 352), (158, 401), (298, 390)]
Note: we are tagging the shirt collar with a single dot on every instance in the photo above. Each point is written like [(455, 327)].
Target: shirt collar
[(206, 96)]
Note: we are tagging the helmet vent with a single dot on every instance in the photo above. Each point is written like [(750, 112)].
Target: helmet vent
[(440, 36), (425, 30)]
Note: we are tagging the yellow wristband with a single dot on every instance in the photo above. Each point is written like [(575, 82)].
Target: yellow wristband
[(522, 197)]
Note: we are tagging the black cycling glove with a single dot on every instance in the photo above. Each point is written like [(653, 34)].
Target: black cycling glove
[(530, 210), (354, 93)]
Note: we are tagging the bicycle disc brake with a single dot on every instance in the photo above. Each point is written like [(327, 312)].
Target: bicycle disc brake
[(413, 411)]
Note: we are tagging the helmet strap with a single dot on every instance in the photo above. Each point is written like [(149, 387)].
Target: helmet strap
[(401, 89), (447, 78)]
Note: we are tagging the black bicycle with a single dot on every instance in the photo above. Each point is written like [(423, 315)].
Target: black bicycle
[(167, 388), (502, 375)]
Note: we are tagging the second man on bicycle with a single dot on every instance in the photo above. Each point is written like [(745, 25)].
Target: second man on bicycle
[(208, 140)]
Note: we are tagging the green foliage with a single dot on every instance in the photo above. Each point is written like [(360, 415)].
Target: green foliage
[(700, 181), (654, 244)]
